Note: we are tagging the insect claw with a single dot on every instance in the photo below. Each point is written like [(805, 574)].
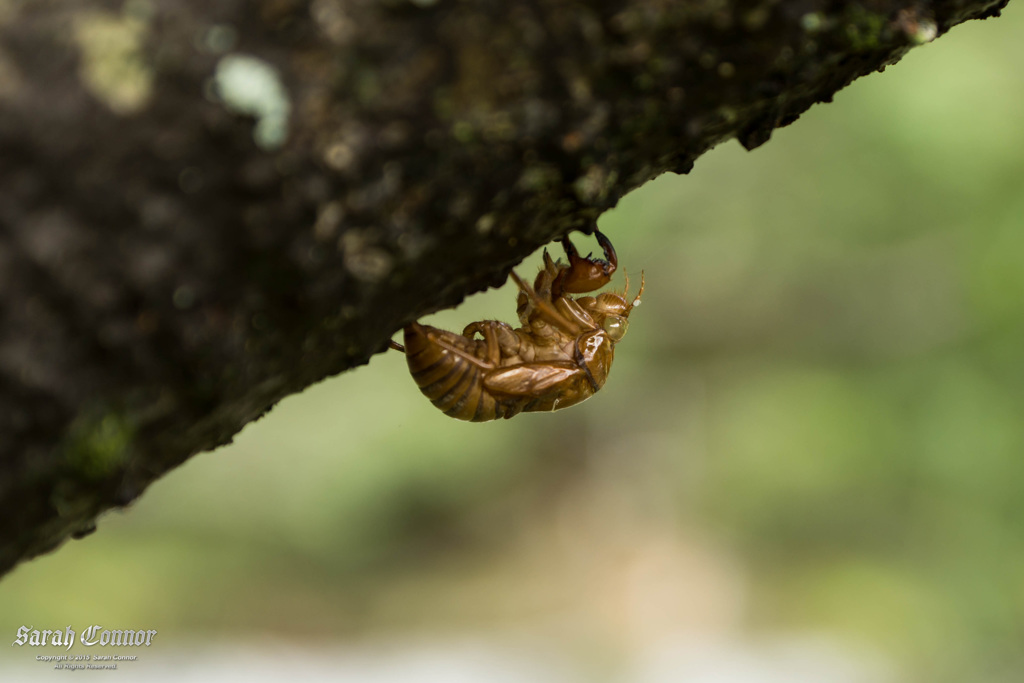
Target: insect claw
[(609, 250), (570, 251), (585, 274)]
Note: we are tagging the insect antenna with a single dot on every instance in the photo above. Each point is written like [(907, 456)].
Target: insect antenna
[(636, 301)]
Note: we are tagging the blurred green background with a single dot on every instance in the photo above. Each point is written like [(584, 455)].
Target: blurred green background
[(813, 427)]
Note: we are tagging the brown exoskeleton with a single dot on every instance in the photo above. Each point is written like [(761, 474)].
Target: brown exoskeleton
[(559, 357)]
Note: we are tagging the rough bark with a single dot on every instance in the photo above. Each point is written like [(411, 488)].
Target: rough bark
[(181, 247)]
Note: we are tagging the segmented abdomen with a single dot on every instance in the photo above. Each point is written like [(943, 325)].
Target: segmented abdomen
[(452, 383)]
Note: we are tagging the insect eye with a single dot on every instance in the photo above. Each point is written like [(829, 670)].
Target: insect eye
[(615, 327)]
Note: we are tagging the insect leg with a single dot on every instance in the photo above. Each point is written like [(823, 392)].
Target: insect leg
[(573, 311), (499, 338), (395, 345), (546, 309), (542, 285), (581, 363), (533, 380)]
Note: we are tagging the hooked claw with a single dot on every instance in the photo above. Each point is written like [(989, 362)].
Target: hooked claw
[(586, 274)]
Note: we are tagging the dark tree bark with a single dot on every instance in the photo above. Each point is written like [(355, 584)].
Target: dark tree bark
[(207, 206)]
